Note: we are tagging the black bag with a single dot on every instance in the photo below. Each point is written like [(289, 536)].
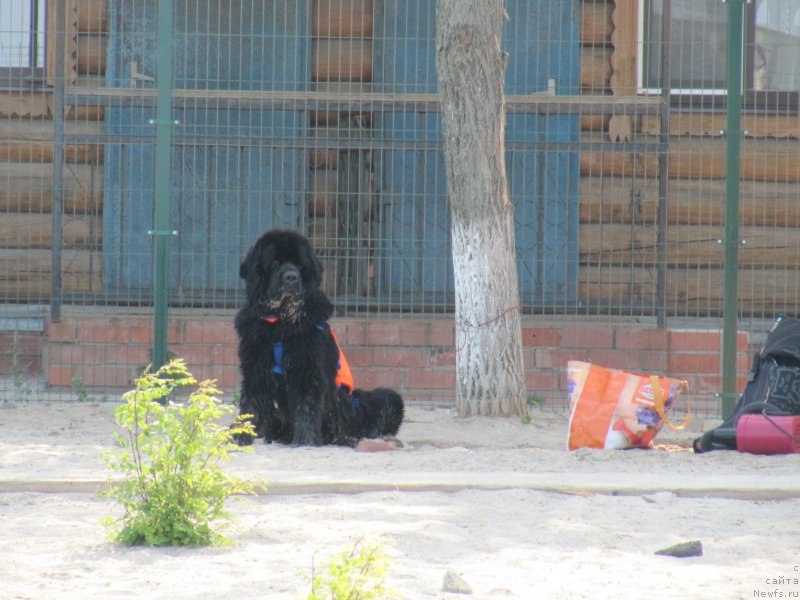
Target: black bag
[(773, 385)]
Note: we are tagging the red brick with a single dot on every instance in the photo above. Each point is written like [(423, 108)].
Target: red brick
[(383, 332), (195, 356), (62, 332), (587, 336), (443, 358), (543, 380), (225, 355), (560, 357), (59, 376), (708, 384), (128, 355), (742, 341), (101, 331), (542, 358), (350, 332), (107, 376), (626, 361), (208, 331), (372, 378), (743, 363), (695, 340), (430, 378), (541, 336), (644, 339), (654, 362), (683, 363), (78, 355), (175, 333), (141, 334), (228, 378), (397, 358), (436, 332)]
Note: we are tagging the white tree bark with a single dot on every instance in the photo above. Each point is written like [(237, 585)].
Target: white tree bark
[(470, 66)]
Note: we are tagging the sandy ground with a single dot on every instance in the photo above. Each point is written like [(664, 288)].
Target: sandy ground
[(498, 502)]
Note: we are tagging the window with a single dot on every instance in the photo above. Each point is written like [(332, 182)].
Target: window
[(698, 49), (776, 48), (22, 42), (698, 43)]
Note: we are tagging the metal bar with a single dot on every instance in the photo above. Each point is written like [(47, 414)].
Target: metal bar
[(227, 99), (663, 171), (163, 160), (730, 305), (58, 164), (344, 143)]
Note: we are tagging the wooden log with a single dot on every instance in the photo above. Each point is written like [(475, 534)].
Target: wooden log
[(25, 274), (713, 125), (43, 153), (71, 32), (342, 18), (20, 230), (40, 104), (595, 69), (623, 63), (691, 202), (761, 160), (28, 188), (331, 118), (92, 16), (596, 25), (23, 140), (91, 54), (27, 104), (687, 245), (341, 60), (618, 164), (692, 291), (86, 113), (322, 199), (322, 233), (591, 123)]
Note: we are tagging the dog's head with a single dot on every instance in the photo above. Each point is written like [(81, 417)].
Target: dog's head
[(279, 271)]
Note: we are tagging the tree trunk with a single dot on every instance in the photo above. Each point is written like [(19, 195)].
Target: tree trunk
[(470, 66)]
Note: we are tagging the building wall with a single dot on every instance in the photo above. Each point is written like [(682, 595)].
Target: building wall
[(414, 355)]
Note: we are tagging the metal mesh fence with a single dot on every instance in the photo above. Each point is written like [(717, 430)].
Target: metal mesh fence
[(323, 116)]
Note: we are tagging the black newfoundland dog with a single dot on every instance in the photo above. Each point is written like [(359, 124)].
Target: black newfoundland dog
[(294, 381)]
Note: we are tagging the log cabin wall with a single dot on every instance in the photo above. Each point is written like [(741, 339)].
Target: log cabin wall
[(26, 169), (618, 190)]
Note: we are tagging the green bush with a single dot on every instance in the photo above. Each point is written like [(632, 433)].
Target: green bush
[(355, 574), (172, 490)]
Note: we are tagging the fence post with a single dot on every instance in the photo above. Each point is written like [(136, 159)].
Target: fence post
[(161, 232), (57, 239), (663, 165), (730, 306)]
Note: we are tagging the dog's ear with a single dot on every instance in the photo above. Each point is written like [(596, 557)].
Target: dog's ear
[(258, 260), (311, 263)]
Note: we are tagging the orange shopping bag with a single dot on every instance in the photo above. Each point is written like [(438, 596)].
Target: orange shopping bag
[(610, 408)]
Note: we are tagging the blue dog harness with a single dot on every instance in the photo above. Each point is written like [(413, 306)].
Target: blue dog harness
[(344, 377)]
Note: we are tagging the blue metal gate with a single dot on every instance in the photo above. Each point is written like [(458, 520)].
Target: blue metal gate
[(542, 40), (238, 168)]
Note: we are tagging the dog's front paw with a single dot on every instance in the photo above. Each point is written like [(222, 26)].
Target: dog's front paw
[(243, 439)]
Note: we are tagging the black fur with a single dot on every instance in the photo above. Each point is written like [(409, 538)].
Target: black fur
[(301, 405)]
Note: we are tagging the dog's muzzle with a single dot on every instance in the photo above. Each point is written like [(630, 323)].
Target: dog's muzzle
[(289, 280)]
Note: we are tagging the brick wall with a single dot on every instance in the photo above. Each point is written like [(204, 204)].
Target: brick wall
[(413, 355)]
